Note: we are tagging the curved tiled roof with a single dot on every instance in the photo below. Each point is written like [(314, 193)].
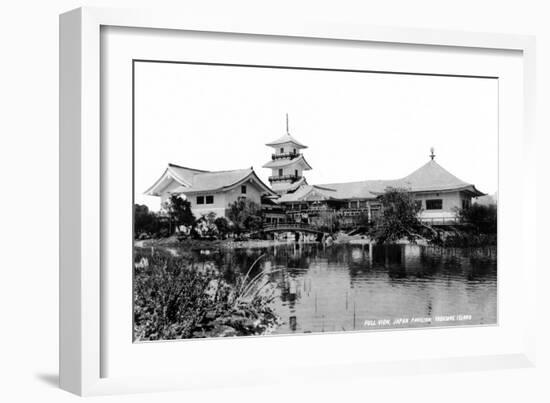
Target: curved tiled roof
[(287, 138), (280, 163), (218, 180), (184, 174), (361, 189), (194, 180)]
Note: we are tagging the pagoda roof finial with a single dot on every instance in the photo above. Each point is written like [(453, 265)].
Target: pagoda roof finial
[(432, 155), (287, 131), (286, 138)]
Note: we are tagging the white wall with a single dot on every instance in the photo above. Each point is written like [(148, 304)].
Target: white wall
[(252, 193), (29, 127), (223, 199)]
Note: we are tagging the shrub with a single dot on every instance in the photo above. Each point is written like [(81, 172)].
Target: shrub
[(223, 226), (482, 217), (145, 221), (174, 300), (205, 226)]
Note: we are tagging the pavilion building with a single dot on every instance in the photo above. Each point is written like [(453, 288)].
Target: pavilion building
[(439, 193), (212, 191)]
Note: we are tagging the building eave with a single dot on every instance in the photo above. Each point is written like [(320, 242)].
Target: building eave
[(168, 173), (286, 163), (277, 144), (467, 188)]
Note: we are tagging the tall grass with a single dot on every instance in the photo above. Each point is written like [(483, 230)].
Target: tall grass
[(173, 300)]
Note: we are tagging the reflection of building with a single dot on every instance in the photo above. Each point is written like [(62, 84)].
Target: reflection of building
[(210, 191)]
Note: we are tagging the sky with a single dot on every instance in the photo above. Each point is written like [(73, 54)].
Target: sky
[(357, 126)]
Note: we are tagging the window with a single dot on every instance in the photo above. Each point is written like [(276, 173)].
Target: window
[(434, 204), (243, 189), (353, 204), (209, 199), (362, 204), (280, 172), (294, 151), (466, 203), (282, 150), (200, 199), (296, 173)]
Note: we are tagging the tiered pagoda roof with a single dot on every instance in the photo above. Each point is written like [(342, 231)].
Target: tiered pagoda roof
[(287, 138), (281, 163)]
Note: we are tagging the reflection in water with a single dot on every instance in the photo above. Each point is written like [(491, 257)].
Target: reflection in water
[(343, 287)]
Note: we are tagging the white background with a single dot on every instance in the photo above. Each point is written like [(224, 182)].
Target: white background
[(28, 162)]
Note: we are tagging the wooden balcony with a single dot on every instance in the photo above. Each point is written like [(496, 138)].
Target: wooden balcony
[(283, 178), (290, 155)]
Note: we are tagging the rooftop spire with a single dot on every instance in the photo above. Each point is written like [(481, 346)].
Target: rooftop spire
[(287, 132), (432, 155)]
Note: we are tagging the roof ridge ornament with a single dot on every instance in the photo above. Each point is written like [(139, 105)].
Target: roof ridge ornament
[(287, 132), (432, 155)]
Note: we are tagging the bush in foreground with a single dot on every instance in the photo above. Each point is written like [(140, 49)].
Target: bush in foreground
[(173, 301)]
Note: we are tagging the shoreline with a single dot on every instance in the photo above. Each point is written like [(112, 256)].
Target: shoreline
[(228, 244), (210, 244)]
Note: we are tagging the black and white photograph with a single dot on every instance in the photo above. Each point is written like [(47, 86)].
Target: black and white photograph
[(276, 200), (243, 201)]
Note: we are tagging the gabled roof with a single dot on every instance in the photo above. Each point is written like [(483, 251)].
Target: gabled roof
[(280, 163), (183, 173), (194, 180), (287, 138), (173, 173)]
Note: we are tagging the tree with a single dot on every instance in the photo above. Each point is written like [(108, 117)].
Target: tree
[(482, 217), (399, 218), (145, 221), (179, 211), (245, 215)]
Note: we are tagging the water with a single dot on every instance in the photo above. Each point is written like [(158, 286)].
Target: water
[(362, 287)]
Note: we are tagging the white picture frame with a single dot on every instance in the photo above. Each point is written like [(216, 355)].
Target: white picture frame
[(81, 186)]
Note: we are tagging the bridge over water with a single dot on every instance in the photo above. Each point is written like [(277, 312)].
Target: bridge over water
[(298, 229), (292, 227)]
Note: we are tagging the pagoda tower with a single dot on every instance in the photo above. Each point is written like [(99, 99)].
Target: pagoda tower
[(287, 163)]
